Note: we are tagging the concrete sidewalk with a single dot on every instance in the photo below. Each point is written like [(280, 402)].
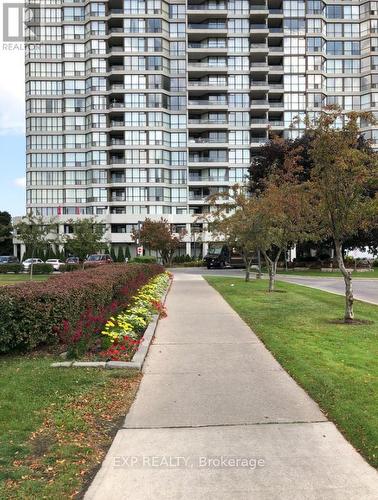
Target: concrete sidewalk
[(216, 417)]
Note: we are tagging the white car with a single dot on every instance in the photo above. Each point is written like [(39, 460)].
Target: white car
[(27, 263), (55, 263)]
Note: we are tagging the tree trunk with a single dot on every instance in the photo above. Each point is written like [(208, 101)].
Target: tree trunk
[(259, 273), (271, 271), (31, 265), (349, 314), (272, 277), (247, 268)]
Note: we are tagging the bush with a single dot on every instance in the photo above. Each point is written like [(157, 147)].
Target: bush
[(42, 269), (71, 267), (145, 259), (34, 313), (10, 268), (194, 263)]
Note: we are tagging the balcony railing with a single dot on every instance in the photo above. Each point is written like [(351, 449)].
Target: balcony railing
[(194, 102), (258, 140), (208, 178), (207, 65), (207, 6), (201, 45), (211, 26), (208, 159), (195, 83), (208, 121), (208, 140)]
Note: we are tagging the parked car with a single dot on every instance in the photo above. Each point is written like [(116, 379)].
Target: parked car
[(221, 257), (27, 263), (56, 263), (99, 259), (8, 259), (73, 260)]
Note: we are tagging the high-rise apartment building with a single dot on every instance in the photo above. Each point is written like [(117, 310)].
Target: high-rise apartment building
[(143, 108)]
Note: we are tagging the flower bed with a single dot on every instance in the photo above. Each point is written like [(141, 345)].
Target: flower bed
[(121, 332), (69, 307)]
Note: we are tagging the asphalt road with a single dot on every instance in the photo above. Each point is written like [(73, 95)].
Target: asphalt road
[(365, 289)]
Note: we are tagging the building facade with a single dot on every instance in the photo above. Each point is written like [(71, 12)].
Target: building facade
[(144, 108)]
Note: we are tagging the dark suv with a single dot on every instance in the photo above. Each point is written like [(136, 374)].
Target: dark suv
[(223, 257), (8, 259)]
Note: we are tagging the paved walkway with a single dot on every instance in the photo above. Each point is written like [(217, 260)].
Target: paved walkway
[(217, 418)]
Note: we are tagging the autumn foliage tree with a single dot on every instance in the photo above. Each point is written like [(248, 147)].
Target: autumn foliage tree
[(344, 182), (157, 236), (282, 201), (234, 219)]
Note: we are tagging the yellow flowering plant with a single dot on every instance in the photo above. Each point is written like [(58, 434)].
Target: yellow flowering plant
[(132, 322)]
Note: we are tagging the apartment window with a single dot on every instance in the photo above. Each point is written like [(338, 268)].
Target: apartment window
[(74, 86), (96, 9), (73, 32), (177, 11), (153, 25), (177, 30), (135, 81)]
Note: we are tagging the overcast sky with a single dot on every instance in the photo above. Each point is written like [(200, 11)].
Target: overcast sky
[(12, 125)]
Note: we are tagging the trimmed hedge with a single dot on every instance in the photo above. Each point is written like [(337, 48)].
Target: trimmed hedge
[(146, 259), (10, 268), (42, 269), (33, 313)]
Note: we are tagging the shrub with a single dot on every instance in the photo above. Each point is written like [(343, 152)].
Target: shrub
[(42, 269), (10, 268), (194, 263), (35, 313), (146, 259), (71, 267)]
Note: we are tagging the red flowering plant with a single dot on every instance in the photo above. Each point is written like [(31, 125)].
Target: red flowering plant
[(120, 350), (160, 308)]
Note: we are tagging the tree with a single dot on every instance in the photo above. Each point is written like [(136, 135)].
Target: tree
[(278, 180), (344, 184), (285, 218), (87, 238), (239, 229), (113, 254), (6, 246), (120, 255), (272, 159), (127, 254), (36, 234), (157, 236)]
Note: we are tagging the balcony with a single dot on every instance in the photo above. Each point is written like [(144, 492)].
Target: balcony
[(206, 83), (208, 6), (202, 102), (201, 121), (117, 161), (208, 140), (205, 27), (207, 159), (201, 45), (114, 105), (208, 178)]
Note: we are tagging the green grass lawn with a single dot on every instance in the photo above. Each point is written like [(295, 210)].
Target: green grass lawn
[(11, 279), (335, 363), (334, 274), (56, 424)]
